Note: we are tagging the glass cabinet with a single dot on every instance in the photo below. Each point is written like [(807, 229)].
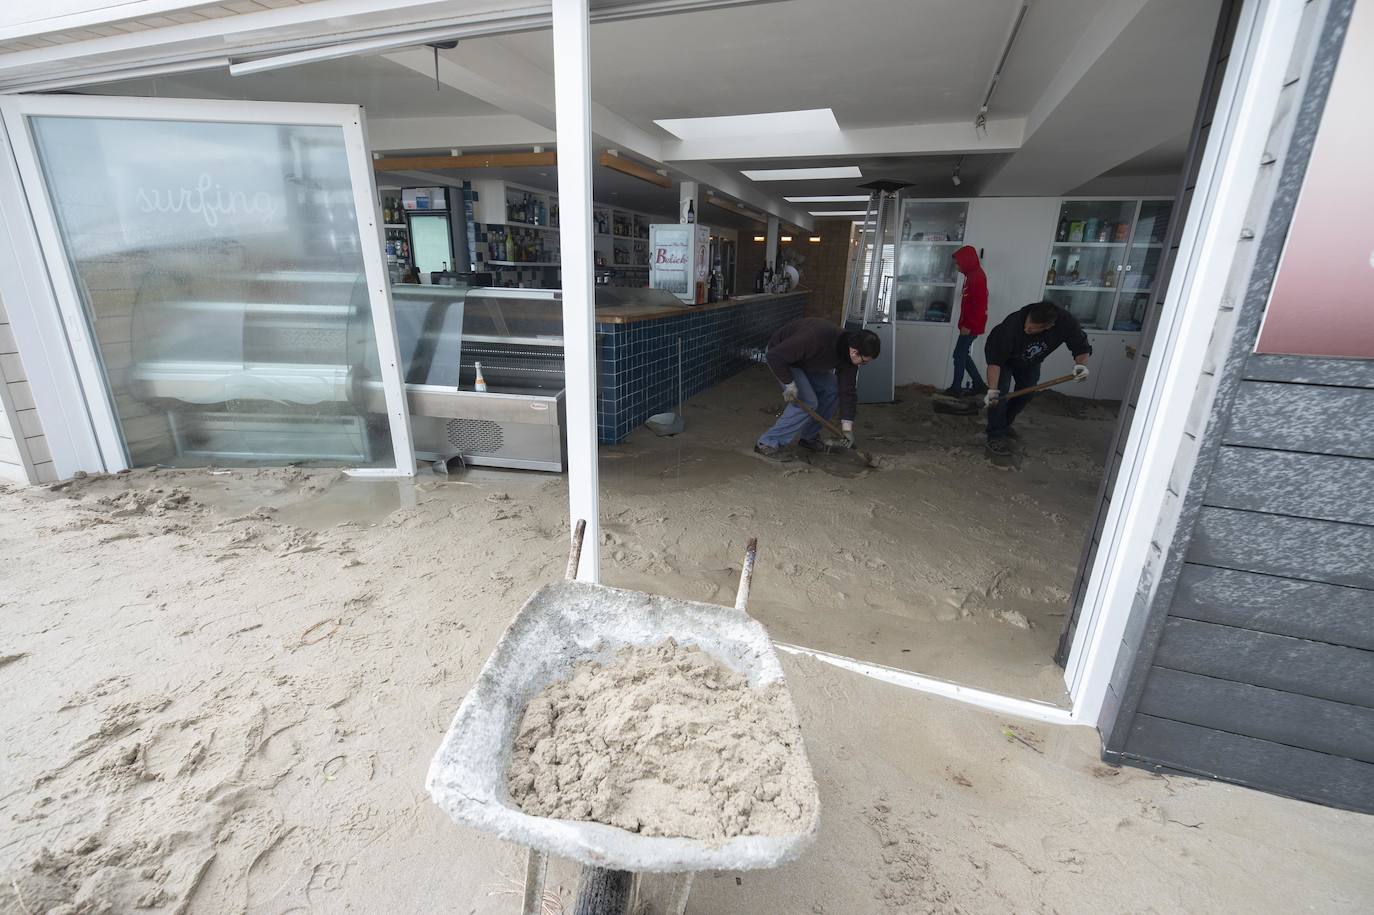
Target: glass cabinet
[(926, 282), (1103, 261)]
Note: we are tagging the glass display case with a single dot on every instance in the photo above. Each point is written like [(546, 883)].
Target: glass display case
[(926, 281), (1103, 260)]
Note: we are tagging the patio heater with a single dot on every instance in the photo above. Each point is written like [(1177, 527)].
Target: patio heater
[(868, 302)]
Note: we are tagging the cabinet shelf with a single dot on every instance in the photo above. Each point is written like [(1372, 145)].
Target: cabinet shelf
[(1084, 288), (1092, 244), (921, 241), (396, 225), (528, 225), (523, 263), (902, 282)]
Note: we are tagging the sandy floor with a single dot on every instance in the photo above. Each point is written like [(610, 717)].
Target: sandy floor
[(220, 693)]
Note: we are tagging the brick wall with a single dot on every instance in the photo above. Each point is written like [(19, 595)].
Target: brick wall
[(823, 271)]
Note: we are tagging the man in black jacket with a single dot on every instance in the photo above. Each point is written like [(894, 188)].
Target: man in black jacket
[(1014, 351), (817, 363)]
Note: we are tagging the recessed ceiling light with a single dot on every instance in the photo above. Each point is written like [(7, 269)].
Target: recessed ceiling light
[(801, 174), (810, 120), (840, 198), (839, 212)]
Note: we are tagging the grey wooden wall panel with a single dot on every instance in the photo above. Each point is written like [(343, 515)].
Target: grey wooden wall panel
[(1255, 711), (1301, 417), (1342, 373), (1293, 483), (1283, 606), (1316, 669), (1249, 761), (1339, 554)]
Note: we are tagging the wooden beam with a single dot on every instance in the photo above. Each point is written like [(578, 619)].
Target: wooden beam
[(477, 160), (634, 170), (731, 207)]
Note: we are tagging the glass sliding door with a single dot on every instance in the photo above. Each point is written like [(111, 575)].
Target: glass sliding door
[(222, 270)]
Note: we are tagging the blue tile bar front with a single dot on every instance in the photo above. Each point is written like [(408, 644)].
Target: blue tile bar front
[(637, 358)]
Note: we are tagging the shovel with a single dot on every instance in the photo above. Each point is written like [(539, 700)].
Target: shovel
[(967, 406), (862, 457)]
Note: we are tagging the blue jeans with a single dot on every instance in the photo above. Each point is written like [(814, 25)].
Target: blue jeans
[(963, 362), (1004, 414), (819, 392)]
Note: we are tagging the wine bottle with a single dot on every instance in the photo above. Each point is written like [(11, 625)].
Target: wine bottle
[(1054, 273), (1062, 233), (480, 384)]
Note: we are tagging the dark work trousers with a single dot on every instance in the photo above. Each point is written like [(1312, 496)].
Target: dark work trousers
[(963, 362), (1004, 414)]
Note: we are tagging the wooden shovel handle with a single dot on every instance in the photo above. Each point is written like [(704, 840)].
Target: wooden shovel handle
[(819, 418), (1040, 387)]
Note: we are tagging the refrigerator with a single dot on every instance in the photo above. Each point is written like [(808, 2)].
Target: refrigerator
[(679, 260)]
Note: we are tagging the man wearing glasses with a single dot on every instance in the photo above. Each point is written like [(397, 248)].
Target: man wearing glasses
[(816, 363)]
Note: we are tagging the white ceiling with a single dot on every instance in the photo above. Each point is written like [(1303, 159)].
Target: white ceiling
[(876, 63)]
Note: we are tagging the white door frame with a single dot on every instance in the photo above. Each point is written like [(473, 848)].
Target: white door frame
[(1245, 111), (83, 369)]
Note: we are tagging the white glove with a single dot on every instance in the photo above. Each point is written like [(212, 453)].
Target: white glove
[(789, 392), (991, 397), (1080, 372)]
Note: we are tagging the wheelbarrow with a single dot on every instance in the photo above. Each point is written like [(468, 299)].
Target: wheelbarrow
[(561, 625)]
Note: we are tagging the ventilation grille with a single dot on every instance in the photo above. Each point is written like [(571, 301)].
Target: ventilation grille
[(475, 436)]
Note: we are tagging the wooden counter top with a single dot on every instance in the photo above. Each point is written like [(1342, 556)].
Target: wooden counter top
[(631, 314)]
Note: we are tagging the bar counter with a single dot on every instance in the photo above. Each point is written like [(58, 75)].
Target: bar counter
[(643, 351)]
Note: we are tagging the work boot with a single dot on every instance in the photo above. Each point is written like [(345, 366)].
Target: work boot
[(952, 391), (999, 446), (814, 444), (772, 452)]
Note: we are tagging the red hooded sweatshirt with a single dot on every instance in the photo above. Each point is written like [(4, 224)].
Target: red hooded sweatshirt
[(973, 305)]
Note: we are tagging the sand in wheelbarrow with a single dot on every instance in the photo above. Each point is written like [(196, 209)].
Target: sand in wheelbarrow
[(663, 741)]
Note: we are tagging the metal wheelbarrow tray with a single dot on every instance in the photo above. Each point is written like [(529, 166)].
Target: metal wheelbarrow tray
[(561, 625)]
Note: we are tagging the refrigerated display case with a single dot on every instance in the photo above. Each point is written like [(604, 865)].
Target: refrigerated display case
[(926, 280), (1103, 260), (679, 260)]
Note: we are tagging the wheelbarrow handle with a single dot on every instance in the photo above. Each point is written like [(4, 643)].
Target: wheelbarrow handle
[(575, 551), (746, 575)]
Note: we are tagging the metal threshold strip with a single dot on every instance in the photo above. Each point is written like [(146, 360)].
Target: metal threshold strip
[(259, 46)]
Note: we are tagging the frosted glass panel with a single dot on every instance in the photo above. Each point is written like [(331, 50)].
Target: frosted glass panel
[(431, 243), (221, 276)]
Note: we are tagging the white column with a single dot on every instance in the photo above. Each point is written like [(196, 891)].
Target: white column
[(687, 194), (572, 97), (770, 253)]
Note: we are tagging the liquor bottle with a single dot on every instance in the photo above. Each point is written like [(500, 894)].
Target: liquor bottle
[(510, 245), (1090, 230), (1104, 232), (959, 231), (1054, 273), (1076, 230), (1109, 276), (1062, 233), (906, 229), (1073, 272), (691, 211), (480, 384)]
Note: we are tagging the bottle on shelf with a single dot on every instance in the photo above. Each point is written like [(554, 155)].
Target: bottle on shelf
[(1109, 276), (906, 230), (691, 212), (959, 231), (1062, 233), (480, 384), (1053, 273), (1073, 272), (510, 245)]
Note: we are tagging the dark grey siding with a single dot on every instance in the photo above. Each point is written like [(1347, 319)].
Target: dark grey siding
[(1256, 657)]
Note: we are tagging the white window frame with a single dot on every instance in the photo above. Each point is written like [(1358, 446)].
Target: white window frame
[(85, 364)]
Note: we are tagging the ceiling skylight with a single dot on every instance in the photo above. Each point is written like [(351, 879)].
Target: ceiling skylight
[(803, 174), (839, 212), (841, 198), (810, 120)]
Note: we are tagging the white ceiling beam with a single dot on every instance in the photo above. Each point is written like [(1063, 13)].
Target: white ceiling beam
[(953, 138), (490, 72), (483, 131)]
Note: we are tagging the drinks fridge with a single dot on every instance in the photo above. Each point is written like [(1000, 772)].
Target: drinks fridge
[(679, 260)]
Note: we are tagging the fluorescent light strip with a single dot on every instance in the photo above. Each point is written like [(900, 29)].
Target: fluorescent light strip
[(838, 212), (802, 174), (840, 198), (810, 120)]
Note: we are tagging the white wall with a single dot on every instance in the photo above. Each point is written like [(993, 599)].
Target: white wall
[(24, 456), (1012, 235)]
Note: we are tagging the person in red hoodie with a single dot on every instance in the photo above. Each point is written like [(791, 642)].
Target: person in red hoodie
[(973, 320)]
